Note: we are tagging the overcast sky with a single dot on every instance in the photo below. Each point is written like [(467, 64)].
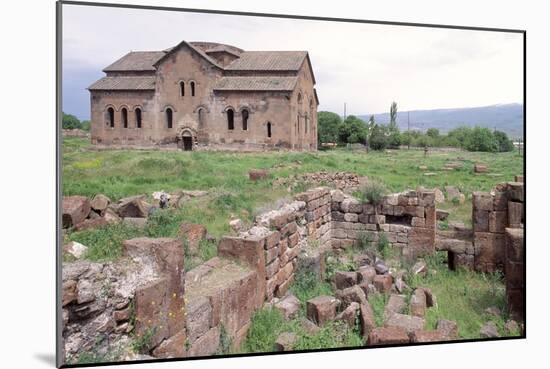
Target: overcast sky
[(365, 65)]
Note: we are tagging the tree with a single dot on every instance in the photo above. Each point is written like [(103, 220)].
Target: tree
[(378, 139), (433, 132), (481, 139), (328, 126), (353, 130), (85, 125), (503, 142), (393, 117), (70, 122)]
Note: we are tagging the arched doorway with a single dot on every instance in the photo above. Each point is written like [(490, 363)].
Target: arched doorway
[(187, 137)]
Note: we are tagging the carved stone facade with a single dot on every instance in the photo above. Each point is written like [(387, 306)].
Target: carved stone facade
[(200, 95)]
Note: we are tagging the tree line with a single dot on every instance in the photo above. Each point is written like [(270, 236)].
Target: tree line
[(353, 130), (69, 121)]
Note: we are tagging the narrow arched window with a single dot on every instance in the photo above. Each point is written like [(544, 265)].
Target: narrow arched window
[(111, 117), (192, 88), (138, 117), (169, 118), (200, 113), (124, 117), (245, 119), (269, 129), (182, 88), (230, 122)]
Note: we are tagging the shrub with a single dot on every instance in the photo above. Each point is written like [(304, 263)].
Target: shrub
[(373, 192), (378, 139), (481, 139), (503, 142), (69, 122)]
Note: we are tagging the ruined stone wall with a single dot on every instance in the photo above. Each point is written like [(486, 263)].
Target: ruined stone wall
[(514, 270), (492, 213), (406, 219)]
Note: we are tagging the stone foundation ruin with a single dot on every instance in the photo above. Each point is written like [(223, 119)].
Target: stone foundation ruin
[(147, 294)]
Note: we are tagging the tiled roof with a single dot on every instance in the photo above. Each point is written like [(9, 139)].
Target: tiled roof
[(256, 84), (136, 61), (269, 61), (124, 83)]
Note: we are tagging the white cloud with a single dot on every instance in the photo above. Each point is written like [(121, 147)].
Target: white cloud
[(365, 65)]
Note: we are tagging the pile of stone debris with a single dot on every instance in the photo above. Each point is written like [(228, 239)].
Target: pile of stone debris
[(345, 181)]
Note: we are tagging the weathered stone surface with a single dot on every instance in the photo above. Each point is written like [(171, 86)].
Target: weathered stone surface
[(172, 347), (428, 336), (449, 328), (199, 316), (74, 210), (192, 234), (422, 241), (383, 283), (366, 319), (514, 244), (349, 314), (345, 279), (407, 322), (285, 341), (111, 216), (257, 174), (75, 249), (91, 223), (396, 304), (454, 193), (442, 214), (288, 306), (516, 191), (207, 344), (439, 196), (151, 313), (351, 294), (69, 293), (418, 303), (321, 309), (380, 267), (489, 330), (135, 222), (351, 205), (511, 327), (388, 336), (309, 327), (515, 214), (489, 251), (366, 274), (480, 168), (133, 207), (420, 267), (100, 202)]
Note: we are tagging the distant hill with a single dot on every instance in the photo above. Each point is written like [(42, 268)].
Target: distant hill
[(505, 117)]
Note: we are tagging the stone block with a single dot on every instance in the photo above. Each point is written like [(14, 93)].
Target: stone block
[(173, 347), (422, 241), (100, 202), (407, 322), (482, 201), (289, 229), (345, 279), (193, 234), (207, 344), (388, 336), (515, 214), (418, 222), (337, 216), (480, 168), (351, 294), (418, 304), (377, 219), (366, 319), (516, 191), (285, 341), (514, 244), (272, 239), (383, 283), (366, 274), (132, 207), (448, 328), (151, 309), (293, 239), (489, 250), (321, 309), (349, 314), (351, 217), (289, 306), (351, 205), (395, 304), (74, 210), (498, 221), (500, 201), (271, 254), (427, 336), (481, 221), (257, 174)]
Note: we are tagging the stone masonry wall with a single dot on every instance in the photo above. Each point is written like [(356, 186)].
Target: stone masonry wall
[(492, 213), (407, 219)]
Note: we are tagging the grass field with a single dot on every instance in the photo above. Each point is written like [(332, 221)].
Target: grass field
[(463, 296)]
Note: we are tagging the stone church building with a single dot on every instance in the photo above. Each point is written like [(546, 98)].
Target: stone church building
[(200, 95)]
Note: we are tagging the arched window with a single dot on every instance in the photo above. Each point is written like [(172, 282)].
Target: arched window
[(244, 114), (230, 116), (182, 88), (168, 118), (269, 129), (111, 117), (124, 117), (200, 113), (192, 88), (138, 117)]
